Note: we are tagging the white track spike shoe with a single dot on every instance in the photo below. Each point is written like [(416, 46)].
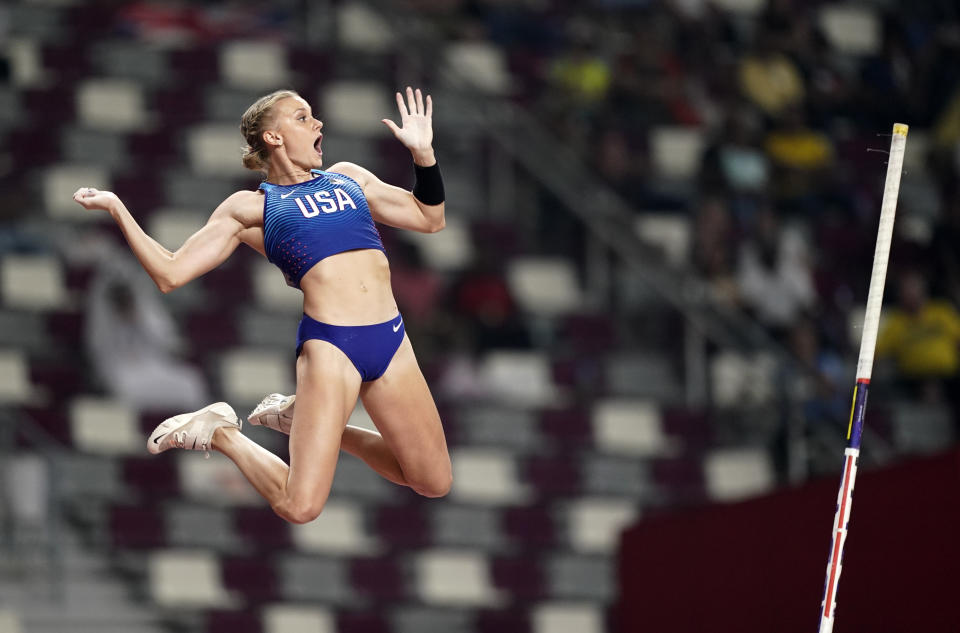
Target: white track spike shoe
[(192, 431), (274, 412)]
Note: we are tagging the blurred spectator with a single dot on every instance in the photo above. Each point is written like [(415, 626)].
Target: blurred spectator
[(922, 336), (131, 341), (769, 78), (713, 247), (581, 73), (774, 274)]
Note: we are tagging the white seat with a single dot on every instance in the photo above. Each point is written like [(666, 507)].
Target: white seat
[(26, 62), (248, 374), (449, 250), (339, 529), (629, 427), (185, 579), (111, 104), (728, 377), (360, 28), (671, 233), (676, 151), (519, 378), (855, 30), (479, 65), (172, 227), (357, 107), (33, 282), (15, 384), (545, 285), (10, 621), (27, 489), (291, 618), (215, 480), (455, 578), (257, 65), (104, 426), (61, 181), (568, 617), (271, 292), (214, 150), (734, 474), (486, 476), (595, 523)]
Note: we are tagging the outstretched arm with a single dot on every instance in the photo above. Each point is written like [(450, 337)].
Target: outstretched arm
[(205, 250), (395, 206)]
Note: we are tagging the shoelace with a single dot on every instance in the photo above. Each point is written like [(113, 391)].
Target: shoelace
[(180, 440)]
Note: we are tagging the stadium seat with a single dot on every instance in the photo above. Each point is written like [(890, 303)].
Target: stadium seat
[(340, 529), (114, 105), (26, 62), (545, 286), (519, 378), (15, 384), (10, 621), (641, 374), (215, 480), (454, 577), (314, 579), (581, 577), (449, 250), (206, 526), (249, 374), (416, 619), (520, 575), (380, 578), (253, 577), (172, 227), (503, 427), (922, 427), (286, 618), (28, 485), (616, 476), (187, 579), (532, 527), (33, 282), (258, 65), (213, 149), (855, 30), (357, 107), (271, 293), (61, 181), (568, 617), (733, 474), (467, 526), (485, 476), (675, 151), (671, 233), (478, 65), (104, 426), (594, 523), (629, 427), (137, 527), (364, 30)]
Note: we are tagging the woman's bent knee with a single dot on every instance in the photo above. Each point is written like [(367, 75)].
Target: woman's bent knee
[(433, 487), (298, 513)]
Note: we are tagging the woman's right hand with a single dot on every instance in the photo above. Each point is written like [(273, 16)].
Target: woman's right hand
[(90, 198)]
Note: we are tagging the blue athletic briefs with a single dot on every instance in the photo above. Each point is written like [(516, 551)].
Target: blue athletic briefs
[(369, 347), (308, 221)]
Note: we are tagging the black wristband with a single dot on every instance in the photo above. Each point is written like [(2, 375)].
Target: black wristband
[(428, 185)]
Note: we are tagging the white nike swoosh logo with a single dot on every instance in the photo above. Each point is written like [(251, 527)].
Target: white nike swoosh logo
[(396, 328), (287, 195)]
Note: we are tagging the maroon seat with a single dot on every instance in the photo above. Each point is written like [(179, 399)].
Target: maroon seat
[(569, 426), (379, 578), (681, 480), (137, 527), (403, 526), (520, 576), (503, 621), (531, 527), (262, 528), (153, 477), (553, 476), (52, 421), (233, 622), (212, 329), (365, 621), (252, 576)]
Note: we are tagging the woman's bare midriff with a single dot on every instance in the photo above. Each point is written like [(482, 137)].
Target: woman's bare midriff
[(350, 288)]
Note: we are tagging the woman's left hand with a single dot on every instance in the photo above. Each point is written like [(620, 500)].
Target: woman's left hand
[(416, 126)]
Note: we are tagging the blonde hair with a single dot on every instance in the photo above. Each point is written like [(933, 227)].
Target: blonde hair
[(254, 121)]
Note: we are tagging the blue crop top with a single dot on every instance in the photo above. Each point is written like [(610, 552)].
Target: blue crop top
[(308, 221)]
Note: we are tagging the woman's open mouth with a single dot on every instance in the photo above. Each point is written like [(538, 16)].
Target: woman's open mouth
[(316, 145)]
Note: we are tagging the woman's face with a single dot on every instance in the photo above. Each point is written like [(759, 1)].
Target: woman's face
[(297, 132)]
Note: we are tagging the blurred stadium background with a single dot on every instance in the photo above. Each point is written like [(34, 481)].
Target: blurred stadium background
[(661, 220)]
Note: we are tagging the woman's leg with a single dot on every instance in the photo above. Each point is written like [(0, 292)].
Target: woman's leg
[(327, 388), (402, 408)]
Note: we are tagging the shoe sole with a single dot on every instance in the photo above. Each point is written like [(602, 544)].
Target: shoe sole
[(282, 414), (170, 425)]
